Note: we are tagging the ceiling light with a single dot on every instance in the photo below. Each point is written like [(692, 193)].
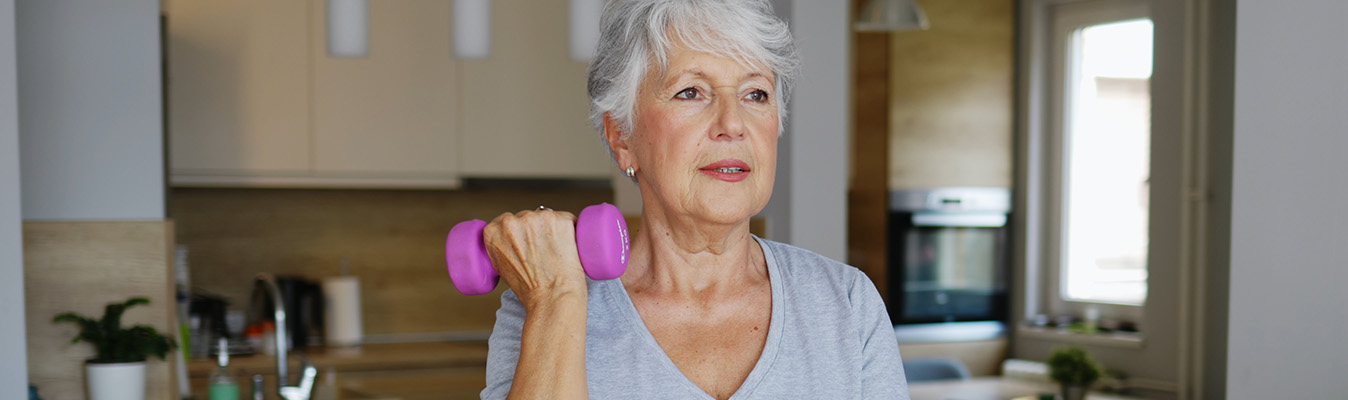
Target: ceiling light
[(472, 29), (585, 28), (348, 28)]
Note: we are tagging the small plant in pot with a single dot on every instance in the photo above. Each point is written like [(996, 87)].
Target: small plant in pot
[(117, 371), (1074, 369)]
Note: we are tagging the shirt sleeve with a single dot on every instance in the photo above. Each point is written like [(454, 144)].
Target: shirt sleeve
[(503, 347), (882, 367)]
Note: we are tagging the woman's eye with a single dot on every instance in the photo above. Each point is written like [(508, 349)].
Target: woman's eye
[(687, 94), (758, 96)]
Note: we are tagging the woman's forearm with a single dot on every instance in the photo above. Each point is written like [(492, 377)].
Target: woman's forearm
[(552, 350)]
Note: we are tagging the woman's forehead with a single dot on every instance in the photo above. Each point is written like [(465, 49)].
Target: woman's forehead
[(683, 63)]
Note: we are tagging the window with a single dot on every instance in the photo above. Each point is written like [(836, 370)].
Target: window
[(1110, 186), (1098, 160), (1105, 163)]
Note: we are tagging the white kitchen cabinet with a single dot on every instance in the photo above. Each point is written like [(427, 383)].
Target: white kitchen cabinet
[(394, 113), (525, 107), (238, 88), (256, 101)]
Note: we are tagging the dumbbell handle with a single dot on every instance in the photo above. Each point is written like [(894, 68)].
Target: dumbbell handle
[(601, 241)]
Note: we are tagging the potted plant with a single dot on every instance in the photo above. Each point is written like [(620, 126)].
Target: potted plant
[(1074, 369), (117, 371)]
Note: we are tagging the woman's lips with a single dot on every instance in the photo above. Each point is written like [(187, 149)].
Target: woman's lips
[(729, 170)]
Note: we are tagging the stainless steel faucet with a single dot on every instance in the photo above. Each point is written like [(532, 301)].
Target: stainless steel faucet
[(305, 388)]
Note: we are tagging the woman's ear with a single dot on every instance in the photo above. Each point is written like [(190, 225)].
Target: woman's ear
[(614, 135)]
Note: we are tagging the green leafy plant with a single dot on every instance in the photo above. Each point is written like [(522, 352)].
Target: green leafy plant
[(115, 344), (1073, 366)]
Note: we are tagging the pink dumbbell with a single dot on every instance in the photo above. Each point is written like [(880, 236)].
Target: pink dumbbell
[(601, 240)]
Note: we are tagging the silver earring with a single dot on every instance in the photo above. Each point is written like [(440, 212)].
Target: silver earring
[(631, 172)]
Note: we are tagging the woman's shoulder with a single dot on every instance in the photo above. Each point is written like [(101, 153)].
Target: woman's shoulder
[(798, 265)]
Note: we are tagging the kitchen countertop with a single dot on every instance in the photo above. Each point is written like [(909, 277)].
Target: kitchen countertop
[(369, 357)]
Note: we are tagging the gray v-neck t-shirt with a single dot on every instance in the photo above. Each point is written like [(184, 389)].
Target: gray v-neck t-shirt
[(829, 338)]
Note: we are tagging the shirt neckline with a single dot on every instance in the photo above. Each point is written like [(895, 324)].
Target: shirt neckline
[(770, 346)]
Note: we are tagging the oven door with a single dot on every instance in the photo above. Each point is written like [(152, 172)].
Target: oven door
[(947, 267)]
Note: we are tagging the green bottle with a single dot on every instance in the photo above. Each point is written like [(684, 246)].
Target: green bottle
[(223, 385)]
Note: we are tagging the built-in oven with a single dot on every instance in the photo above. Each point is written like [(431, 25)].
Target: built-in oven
[(948, 262)]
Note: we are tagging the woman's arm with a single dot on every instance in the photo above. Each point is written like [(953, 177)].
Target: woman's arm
[(540, 371), (552, 350), (538, 344), (882, 374)]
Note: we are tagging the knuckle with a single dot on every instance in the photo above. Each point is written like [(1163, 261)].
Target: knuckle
[(501, 219)]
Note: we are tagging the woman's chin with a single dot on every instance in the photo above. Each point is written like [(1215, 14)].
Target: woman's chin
[(727, 213)]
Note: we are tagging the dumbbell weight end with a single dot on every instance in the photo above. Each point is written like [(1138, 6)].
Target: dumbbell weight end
[(602, 243), (469, 265)]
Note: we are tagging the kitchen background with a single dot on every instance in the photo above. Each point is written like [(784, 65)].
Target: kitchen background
[(944, 95), (284, 158), (100, 180)]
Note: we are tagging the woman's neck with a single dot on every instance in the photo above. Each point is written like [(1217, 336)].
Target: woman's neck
[(693, 258)]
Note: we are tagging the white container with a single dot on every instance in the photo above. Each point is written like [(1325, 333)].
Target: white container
[(119, 381)]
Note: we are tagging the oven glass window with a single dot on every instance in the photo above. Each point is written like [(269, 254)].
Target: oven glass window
[(952, 274)]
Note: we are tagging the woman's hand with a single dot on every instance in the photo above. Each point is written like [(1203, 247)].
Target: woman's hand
[(535, 252)]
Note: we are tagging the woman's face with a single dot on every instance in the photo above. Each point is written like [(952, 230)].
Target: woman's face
[(705, 138)]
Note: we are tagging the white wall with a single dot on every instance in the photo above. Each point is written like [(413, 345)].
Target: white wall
[(809, 202), (90, 116), (1289, 227), (13, 344)]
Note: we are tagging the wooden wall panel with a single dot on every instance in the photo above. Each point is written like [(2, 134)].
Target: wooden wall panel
[(951, 97), (81, 267), (868, 193)]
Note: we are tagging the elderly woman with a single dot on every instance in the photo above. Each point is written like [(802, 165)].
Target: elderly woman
[(689, 96)]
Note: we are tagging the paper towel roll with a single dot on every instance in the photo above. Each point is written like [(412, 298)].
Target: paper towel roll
[(342, 320)]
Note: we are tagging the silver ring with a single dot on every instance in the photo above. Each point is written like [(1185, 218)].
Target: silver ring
[(541, 208)]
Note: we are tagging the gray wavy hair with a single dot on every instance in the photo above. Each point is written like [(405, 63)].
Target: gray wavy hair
[(635, 33)]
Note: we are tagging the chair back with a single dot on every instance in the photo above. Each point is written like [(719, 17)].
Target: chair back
[(934, 369)]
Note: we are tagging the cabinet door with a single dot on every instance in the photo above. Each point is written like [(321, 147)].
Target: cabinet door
[(525, 107), (238, 87), (393, 113)]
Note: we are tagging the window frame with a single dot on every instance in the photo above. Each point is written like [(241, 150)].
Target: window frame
[(1067, 19), (1166, 359)]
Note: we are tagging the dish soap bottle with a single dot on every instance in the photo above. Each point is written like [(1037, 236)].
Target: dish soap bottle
[(223, 385)]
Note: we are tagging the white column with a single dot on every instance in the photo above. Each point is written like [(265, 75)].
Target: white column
[(809, 203), (13, 344), (1288, 220), (91, 119)]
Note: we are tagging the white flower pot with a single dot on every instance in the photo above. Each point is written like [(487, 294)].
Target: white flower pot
[(119, 381), (1074, 392)]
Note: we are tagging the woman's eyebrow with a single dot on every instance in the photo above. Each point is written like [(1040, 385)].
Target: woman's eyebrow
[(698, 74)]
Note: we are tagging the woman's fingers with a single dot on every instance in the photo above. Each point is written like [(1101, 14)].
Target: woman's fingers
[(535, 252)]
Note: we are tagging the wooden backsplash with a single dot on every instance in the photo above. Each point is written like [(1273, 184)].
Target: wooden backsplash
[(394, 240), (81, 267)]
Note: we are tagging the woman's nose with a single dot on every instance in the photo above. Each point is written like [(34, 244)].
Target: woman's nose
[(729, 119)]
